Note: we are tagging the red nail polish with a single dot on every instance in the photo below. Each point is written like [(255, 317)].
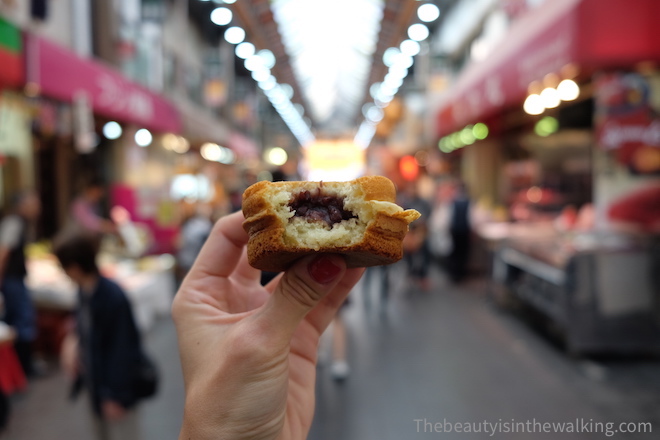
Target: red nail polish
[(323, 270)]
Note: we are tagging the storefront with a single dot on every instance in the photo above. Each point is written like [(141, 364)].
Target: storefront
[(71, 101), (558, 126)]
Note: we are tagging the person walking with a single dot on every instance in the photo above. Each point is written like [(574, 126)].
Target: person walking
[(460, 230), (104, 353), (19, 310)]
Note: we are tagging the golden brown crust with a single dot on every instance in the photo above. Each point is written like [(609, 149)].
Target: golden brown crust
[(381, 243)]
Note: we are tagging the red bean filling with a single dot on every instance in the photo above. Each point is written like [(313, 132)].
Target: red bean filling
[(315, 206)]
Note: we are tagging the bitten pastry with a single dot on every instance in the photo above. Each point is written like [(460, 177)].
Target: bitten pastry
[(359, 219)]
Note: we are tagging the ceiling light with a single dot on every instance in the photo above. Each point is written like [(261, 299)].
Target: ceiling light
[(287, 90), (389, 56), (268, 57), (403, 60), (399, 71), (245, 50), (533, 105), (181, 146), (112, 130), (234, 35), (169, 141), (480, 131), (143, 137), (410, 47), (467, 137), (568, 90), (375, 114), (550, 97), (221, 16), (254, 63), (428, 12), (261, 75), (276, 156), (374, 89), (418, 32), (268, 84), (229, 2)]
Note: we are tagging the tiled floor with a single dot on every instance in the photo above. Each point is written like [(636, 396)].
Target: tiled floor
[(445, 355)]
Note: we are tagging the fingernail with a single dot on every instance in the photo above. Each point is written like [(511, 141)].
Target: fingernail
[(323, 270)]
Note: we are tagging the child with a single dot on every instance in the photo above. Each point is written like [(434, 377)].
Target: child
[(108, 341)]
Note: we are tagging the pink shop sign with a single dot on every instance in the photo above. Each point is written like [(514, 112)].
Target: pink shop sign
[(61, 74)]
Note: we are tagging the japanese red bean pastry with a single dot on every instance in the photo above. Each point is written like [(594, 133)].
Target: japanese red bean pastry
[(359, 219)]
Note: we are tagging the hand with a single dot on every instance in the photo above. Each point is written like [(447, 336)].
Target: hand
[(249, 352), (70, 355), (112, 411)]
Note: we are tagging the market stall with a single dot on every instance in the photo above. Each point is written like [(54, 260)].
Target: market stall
[(148, 283), (573, 156)]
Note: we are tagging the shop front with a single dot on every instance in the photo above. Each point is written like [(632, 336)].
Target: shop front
[(572, 154), (90, 122)]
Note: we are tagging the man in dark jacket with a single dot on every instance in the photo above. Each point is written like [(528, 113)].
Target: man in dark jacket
[(109, 347), (460, 230)]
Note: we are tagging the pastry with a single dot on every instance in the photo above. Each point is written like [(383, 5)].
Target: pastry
[(359, 219)]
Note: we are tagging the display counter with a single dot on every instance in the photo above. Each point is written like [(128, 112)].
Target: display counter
[(600, 289)]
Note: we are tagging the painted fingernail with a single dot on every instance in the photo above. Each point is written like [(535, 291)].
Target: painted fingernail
[(323, 270)]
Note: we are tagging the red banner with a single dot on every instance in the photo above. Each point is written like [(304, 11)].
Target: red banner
[(63, 75)]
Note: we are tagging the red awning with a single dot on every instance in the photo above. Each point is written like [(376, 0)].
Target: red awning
[(63, 75), (590, 33)]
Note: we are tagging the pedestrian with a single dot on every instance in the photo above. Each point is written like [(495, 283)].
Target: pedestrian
[(194, 232), (339, 367), (461, 232), (86, 212), (19, 310), (415, 244), (103, 354)]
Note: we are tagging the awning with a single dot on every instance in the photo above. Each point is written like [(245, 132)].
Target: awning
[(590, 33), (63, 75), (11, 55)]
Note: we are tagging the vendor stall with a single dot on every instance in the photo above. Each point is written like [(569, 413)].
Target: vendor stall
[(598, 289), (148, 283)]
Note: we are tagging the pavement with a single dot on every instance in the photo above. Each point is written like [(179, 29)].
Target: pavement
[(422, 364)]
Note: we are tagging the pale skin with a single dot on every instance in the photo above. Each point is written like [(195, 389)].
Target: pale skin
[(249, 352)]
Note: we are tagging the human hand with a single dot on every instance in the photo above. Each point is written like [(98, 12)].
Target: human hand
[(112, 411), (69, 355), (249, 352)]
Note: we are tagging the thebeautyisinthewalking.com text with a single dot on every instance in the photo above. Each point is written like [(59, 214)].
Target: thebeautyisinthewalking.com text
[(501, 426)]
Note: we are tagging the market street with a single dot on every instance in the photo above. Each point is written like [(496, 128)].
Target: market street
[(445, 356)]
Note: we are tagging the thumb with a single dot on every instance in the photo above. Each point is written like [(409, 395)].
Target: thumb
[(301, 288)]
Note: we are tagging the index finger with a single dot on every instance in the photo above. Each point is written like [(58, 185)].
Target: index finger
[(222, 250)]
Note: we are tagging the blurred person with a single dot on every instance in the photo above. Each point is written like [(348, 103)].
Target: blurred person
[(382, 274), (103, 354), (249, 352), (460, 230), (440, 221), (86, 211), (415, 243), (194, 232), (19, 310), (339, 367)]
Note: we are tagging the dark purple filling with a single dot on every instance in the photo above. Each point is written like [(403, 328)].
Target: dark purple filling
[(315, 206)]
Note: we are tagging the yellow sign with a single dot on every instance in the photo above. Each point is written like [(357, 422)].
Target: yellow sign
[(335, 160)]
